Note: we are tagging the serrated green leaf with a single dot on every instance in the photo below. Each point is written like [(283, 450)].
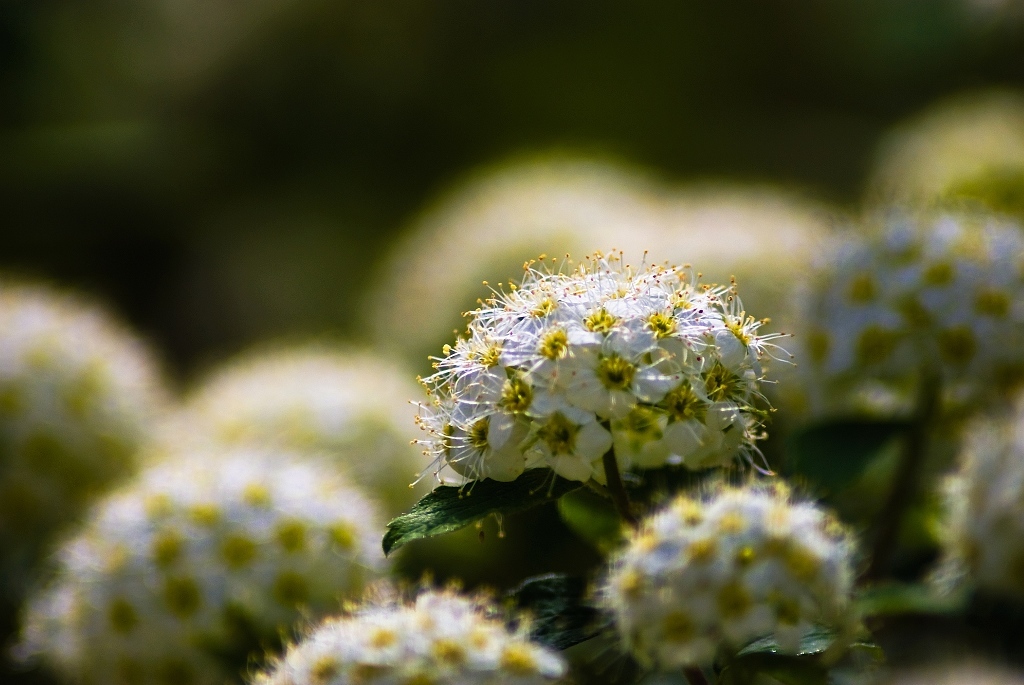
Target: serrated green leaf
[(593, 518), (560, 614), (910, 598), (449, 508), (832, 454)]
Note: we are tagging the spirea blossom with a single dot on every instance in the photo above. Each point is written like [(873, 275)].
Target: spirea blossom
[(314, 398), (720, 571), (77, 394), (203, 557), (560, 370), (984, 531), (937, 295), (443, 637)]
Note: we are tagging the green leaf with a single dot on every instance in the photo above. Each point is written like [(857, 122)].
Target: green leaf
[(593, 518), (763, 658), (834, 453), (561, 616), (449, 508), (815, 641), (910, 598)]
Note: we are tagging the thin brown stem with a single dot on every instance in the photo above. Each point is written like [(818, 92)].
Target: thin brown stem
[(905, 481), (617, 489), (695, 676)]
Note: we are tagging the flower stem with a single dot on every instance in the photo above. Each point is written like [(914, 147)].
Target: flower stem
[(617, 489), (904, 486), (695, 676)]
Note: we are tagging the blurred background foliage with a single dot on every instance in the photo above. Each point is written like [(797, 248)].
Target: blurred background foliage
[(225, 171)]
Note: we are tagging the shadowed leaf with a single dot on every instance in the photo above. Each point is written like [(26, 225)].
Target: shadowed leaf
[(449, 508), (833, 454), (561, 617)]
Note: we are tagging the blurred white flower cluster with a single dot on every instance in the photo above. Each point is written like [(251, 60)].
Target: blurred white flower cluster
[(78, 393), (202, 555), (968, 147), (485, 227), (557, 371), (984, 532), (350, 405), (937, 295), (721, 571), (443, 637)]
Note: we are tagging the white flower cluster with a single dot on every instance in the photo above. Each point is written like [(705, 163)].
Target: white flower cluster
[(558, 371), (443, 637), (314, 398), (485, 227), (968, 147), (720, 572), (77, 393), (940, 295), (984, 531), (205, 555)]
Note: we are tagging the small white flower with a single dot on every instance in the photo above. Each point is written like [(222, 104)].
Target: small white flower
[(722, 571), (554, 372), (441, 637)]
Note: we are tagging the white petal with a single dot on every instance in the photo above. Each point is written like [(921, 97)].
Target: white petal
[(593, 441), (465, 461), (619, 403), (499, 429), (504, 465), (722, 415), (586, 391), (731, 349), (572, 467), (685, 438), (651, 385)]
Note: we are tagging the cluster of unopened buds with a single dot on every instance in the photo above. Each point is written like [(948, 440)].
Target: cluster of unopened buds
[(558, 371)]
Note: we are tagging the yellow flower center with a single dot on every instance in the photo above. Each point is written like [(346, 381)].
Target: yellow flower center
[(477, 433), (516, 395), (559, 433), (554, 345), (615, 373), (662, 324), (600, 321)]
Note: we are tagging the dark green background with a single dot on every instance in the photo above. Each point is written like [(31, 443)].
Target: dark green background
[(250, 195)]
